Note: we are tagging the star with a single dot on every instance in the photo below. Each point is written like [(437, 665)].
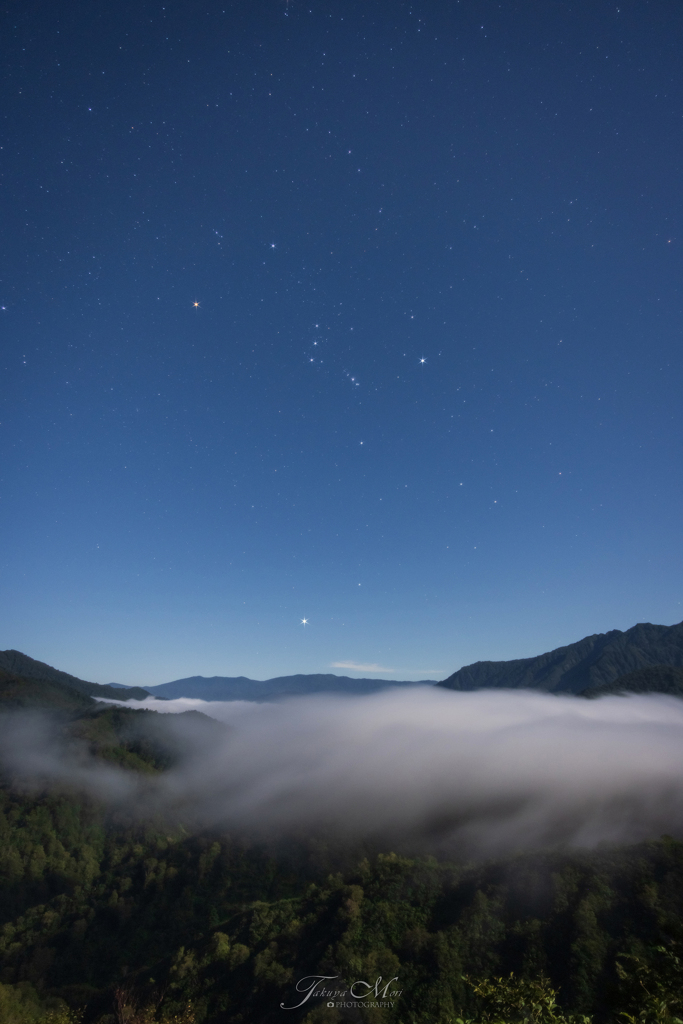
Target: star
[(423, 360), (304, 622), (196, 305)]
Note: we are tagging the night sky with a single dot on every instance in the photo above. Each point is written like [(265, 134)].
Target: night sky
[(362, 312)]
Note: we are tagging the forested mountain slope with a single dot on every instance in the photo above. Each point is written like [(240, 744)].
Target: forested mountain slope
[(21, 665), (18, 691), (655, 679), (593, 661), (89, 906)]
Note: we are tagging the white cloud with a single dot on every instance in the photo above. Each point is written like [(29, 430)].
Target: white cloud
[(486, 772), (360, 668)]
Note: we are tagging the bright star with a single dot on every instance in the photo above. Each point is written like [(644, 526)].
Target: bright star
[(196, 305), (423, 360), (304, 622), (272, 245)]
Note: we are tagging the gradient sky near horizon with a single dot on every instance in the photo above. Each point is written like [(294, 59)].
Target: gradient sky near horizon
[(367, 313)]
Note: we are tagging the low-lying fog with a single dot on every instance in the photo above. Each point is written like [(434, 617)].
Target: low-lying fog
[(483, 772)]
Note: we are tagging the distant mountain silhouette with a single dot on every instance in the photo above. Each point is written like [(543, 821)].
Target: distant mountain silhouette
[(242, 688), (21, 665), (655, 679), (592, 662)]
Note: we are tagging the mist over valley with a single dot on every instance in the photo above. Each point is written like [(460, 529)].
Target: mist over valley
[(430, 768)]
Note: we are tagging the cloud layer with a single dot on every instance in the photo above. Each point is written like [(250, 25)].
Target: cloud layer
[(485, 772)]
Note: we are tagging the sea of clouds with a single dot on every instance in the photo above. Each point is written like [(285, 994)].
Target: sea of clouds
[(487, 772)]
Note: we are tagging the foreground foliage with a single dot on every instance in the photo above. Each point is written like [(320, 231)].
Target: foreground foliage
[(92, 906), (656, 997)]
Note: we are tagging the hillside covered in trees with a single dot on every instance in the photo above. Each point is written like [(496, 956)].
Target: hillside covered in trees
[(595, 661), (21, 665)]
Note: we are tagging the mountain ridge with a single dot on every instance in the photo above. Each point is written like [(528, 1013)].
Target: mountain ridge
[(594, 661), (244, 688), (18, 664), (595, 665)]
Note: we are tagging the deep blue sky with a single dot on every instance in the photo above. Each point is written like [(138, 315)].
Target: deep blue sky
[(431, 396)]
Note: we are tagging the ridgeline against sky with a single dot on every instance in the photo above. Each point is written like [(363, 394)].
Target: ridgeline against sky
[(366, 313)]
